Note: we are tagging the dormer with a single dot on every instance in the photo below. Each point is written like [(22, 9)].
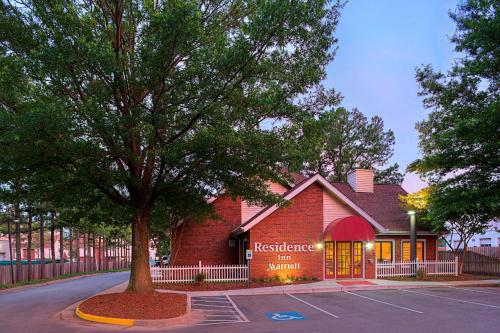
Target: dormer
[(361, 180)]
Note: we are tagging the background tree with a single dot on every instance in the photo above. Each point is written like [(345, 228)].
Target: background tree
[(389, 175), (339, 140), (459, 139), (159, 101)]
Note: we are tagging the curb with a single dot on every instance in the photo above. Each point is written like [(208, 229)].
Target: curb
[(104, 320)]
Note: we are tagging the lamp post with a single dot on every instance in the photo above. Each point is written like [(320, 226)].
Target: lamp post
[(413, 236)]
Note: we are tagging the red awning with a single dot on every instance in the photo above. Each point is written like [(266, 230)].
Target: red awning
[(351, 228)]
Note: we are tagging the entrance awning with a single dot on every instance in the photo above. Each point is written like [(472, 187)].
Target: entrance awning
[(351, 228)]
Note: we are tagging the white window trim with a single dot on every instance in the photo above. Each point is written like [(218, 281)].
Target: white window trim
[(393, 241), (418, 240)]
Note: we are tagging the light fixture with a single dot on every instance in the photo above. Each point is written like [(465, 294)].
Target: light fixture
[(411, 212), (369, 245), (319, 245)]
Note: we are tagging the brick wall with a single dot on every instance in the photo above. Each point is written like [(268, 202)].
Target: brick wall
[(299, 223), (208, 241)]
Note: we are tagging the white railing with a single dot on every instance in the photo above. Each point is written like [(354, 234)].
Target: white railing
[(213, 273), (410, 268)]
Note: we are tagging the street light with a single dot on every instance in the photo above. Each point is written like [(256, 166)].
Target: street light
[(413, 236)]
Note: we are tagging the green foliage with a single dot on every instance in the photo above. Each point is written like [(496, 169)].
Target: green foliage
[(157, 105), (389, 175), (340, 140), (460, 140), (199, 278)]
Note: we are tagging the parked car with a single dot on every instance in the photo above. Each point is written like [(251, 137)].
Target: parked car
[(166, 260)]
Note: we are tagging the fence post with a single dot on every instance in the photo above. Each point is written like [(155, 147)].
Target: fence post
[(199, 266), (416, 266), (456, 265), (376, 269)]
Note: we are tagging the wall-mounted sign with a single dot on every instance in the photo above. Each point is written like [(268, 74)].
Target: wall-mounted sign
[(283, 247), (248, 254)]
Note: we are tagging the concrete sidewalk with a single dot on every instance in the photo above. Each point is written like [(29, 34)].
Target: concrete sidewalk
[(333, 286)]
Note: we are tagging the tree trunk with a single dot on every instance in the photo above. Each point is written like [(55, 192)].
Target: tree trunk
[(70, 240), (462, 259), (78, 252), (100, 253), (30, 225), (140, 277), (84, 252), (61, 251), (12, 277), (42, 247), (19, 264), (53, 248), (94, 257)]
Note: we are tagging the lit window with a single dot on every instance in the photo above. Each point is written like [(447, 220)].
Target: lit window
[(406, 250), (383, 251)]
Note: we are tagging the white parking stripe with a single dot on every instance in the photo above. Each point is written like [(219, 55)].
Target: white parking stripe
[(314, 306), (243, 317), (208, 301), (215, 306), (452, 299), (476, 291), (386, 303)]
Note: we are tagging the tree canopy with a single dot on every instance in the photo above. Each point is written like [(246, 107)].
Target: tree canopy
[(460, 138), (160, 103), (339, 140)]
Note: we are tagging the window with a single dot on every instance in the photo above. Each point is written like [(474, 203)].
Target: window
[(406, 250), (485, 242), (383, 251)]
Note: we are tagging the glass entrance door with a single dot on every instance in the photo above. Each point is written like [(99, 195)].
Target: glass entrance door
[(329, 260), (357, 259), (343, 259)]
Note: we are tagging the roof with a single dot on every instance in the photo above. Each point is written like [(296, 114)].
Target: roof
[(381, 208), (298, 188), (383, 204)]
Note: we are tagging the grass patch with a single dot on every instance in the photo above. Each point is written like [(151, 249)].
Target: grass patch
[(59, 277)]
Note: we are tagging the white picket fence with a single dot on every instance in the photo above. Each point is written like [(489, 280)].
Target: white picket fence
[(213, 273), (410, 268)]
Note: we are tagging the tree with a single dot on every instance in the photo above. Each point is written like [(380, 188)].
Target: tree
[(429, 216), (390, 175), (163, 101), (340, 140), (459, 139)]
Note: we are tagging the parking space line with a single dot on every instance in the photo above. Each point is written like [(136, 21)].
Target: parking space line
[(476, 291), (245, 319), (313, 306), (386, 303), (208, 301), (452, 299), (211, 305)]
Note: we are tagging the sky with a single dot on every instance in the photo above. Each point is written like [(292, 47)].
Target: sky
[(380, 44)]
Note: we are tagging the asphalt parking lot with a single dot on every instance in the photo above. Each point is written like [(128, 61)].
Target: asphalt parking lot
[(412, 310)]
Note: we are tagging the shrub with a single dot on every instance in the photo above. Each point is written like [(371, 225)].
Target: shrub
[(314, 278), (421, 274), (199, 278)]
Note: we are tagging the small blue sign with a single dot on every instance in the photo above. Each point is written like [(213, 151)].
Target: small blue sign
[(285, 316)]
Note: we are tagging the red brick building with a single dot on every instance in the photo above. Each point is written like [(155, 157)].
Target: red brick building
[(327, 231)]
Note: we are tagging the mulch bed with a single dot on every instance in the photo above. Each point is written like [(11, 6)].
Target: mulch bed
[(461, 277), (136, 306), (209, 286)]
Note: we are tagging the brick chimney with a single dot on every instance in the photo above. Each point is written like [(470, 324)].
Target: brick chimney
[(361, 180)]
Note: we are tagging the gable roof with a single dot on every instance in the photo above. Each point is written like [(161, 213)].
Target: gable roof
[(298, 188), (383, 204)]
